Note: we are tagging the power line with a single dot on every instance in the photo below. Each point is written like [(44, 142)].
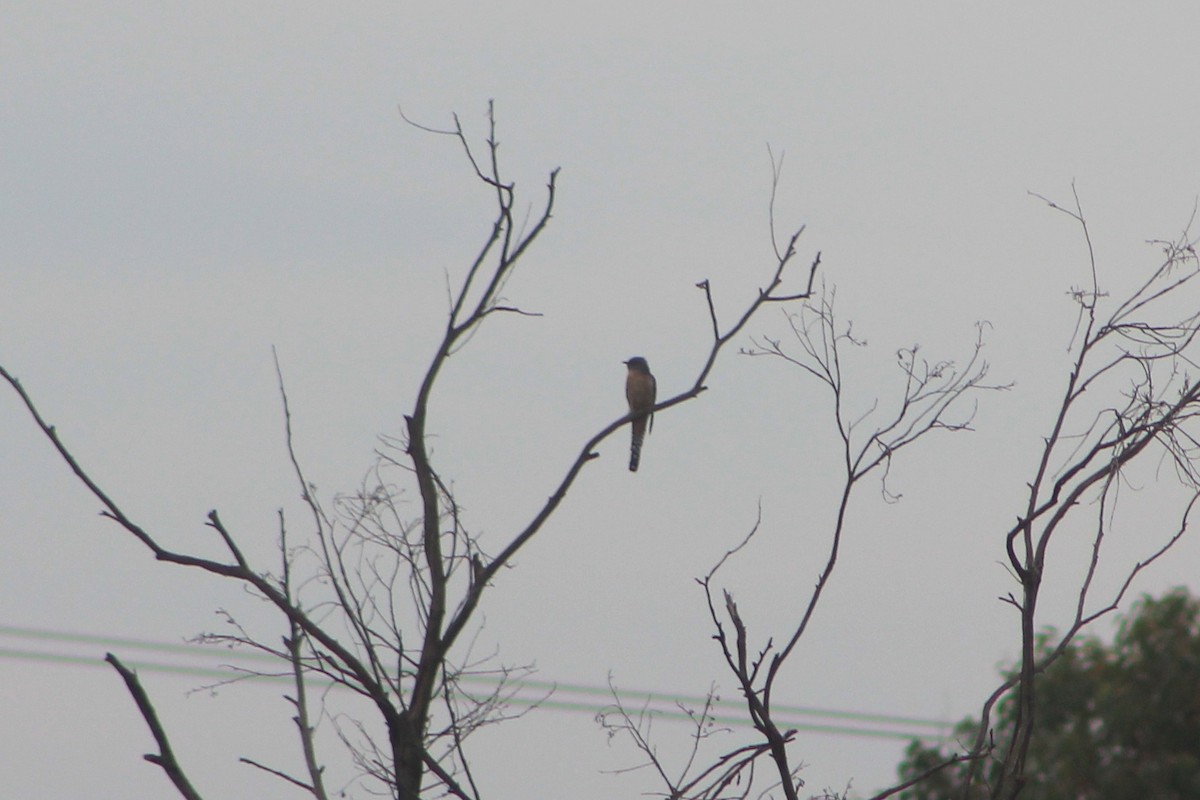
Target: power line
[(528, 692)]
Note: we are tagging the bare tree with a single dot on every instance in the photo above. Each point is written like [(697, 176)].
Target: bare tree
[(933, 397), (1128, 400), (377, 599), (1133, 360)]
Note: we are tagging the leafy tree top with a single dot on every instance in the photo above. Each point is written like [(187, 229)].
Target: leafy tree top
[(1113, 721)]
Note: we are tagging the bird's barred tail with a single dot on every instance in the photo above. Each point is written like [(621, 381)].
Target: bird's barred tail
[(635, 447)]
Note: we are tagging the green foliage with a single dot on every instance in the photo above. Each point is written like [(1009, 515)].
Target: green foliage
[(1112, 722)]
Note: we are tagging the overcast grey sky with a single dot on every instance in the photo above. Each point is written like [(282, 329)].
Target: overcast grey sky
[(187, 185)]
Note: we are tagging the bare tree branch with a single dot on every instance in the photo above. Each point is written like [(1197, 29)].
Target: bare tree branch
[(165, 758)]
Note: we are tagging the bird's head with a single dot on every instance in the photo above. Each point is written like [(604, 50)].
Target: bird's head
[(637, 364)]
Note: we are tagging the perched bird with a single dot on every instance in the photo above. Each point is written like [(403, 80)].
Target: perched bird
[(640, 391)]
